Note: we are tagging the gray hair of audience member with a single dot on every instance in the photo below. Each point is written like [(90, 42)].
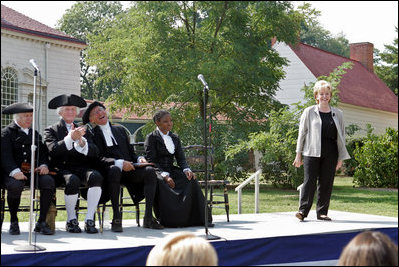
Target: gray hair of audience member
[(370, 248), (183, 249), (159, 114), (59, 110)]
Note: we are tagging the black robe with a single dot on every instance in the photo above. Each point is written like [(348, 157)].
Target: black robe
[(183, 205)]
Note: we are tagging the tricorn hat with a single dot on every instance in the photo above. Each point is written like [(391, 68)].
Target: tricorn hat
[(67, 100), (18, 108), (86, 115)]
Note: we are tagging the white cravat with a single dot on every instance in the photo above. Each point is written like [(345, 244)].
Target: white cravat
[(26, 130), (108, 134), (170, 146)]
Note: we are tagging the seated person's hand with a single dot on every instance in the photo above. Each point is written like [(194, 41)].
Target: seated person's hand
[(127, 166), (190, 175), (20, 176), (43, 170), (142, 160), (77, 133), (169, 181)]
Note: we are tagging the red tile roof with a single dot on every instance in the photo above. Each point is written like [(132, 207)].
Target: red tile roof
[(15, 21), (358, 86)]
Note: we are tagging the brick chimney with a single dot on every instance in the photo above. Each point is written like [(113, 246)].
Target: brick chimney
[(363, 52)]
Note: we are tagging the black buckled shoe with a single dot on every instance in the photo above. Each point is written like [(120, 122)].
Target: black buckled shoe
[(14, 228), (43, 228), (90, 227), (73, 226), (152, 224), (116, 225)]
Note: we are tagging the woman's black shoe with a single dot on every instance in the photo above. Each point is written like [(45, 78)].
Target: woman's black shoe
[(323, 218), (300, 216), (152, 224)]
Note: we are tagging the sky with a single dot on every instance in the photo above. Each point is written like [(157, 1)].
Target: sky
[(359, 21)]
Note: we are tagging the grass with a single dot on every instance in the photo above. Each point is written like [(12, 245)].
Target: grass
[(345, 197)]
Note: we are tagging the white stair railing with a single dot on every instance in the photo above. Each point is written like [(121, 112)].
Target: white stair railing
[(238, 189)]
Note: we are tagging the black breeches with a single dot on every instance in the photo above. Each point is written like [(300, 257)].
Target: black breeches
[(86, 177), (46, 185)]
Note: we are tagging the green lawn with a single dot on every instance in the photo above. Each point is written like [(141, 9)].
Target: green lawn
[(345, 197)]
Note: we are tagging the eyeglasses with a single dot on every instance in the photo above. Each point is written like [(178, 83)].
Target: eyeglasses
[(98, 110)]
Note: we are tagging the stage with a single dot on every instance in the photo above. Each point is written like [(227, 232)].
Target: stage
[(248, 239)]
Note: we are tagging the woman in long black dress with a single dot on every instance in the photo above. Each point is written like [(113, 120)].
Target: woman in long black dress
[(180, 200)]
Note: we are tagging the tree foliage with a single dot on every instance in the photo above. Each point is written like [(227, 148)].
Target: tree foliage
[(157, 50), (312, 33), (82, 19), (388, 70)]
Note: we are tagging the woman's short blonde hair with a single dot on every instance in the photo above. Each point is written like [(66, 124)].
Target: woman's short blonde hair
[(320, 85), (183, 249)]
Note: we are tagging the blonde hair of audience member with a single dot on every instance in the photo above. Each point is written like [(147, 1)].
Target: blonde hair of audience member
[(183, 249), (370, 249), (321, 86)]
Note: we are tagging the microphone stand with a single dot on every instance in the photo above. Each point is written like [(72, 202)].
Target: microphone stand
[(30, 247), (208, 236)]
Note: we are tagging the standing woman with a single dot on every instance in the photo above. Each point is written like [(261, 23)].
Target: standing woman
[(321, 140), (180, 199)]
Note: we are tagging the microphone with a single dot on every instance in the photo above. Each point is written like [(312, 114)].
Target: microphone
[(201, 78), (34, 64)]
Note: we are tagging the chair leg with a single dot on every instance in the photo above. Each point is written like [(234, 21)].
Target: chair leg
[(100, 218), (210, 198), (3, 199), (226, 202), (137, 205), (121, 202), (77, 207)]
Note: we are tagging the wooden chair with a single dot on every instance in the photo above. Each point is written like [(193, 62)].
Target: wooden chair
[(195, 157)]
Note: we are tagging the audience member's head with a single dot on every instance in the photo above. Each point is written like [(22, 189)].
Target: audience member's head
[(183, 249), (370, 249)]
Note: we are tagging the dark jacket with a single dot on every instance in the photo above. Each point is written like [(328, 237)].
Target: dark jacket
[(16, 148), (156, 152), (60, 157), (124, 151)]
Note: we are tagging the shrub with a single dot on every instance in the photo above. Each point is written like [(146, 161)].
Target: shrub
[(378, 160)]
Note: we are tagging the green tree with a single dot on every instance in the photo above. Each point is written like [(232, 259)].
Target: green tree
[(158, 49), (388, 70), (312, 33), (82, 19)]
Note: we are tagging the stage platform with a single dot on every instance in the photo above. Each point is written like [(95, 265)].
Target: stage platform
[(248, 239)]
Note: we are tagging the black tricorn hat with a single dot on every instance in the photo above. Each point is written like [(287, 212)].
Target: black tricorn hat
[(18, 108), (86, 115), (67, 100)]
